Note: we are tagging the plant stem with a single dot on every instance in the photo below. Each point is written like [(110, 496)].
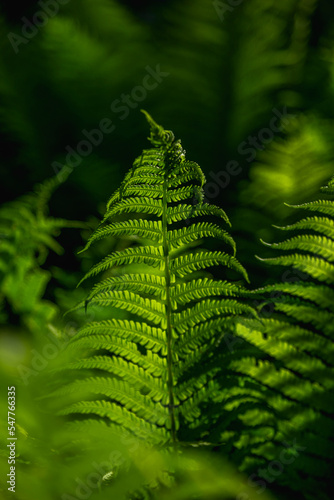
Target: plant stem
[(168, 315)]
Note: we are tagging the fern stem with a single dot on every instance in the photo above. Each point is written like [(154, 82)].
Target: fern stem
[(170, 381)]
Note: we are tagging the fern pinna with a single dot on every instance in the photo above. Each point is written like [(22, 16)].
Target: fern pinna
[(158, 366), (296, 337)]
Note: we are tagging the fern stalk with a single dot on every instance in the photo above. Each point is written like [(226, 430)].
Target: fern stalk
[(168, 314)]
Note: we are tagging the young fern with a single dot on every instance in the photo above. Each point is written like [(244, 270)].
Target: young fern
[(297, 340), (148, 364)]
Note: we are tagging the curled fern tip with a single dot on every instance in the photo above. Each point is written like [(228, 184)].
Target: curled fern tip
[(159, 136)]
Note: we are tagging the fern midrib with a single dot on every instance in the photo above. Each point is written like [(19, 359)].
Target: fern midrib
[(169, 327)]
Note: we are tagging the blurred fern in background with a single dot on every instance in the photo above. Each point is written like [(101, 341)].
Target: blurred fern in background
[(27, 234)]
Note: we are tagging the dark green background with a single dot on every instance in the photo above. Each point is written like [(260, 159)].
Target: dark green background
[(225, 78)]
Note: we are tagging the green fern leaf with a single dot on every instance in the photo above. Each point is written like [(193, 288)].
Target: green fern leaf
[(139, 371), (296, 343)]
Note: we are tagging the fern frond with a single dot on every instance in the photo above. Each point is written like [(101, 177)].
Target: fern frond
[(180, 194), (323, 206), (180, 237), (207, 309), (329, 189), (144, 364), (319, 245), (186, 264), (200, 288), (150, 255), (183, 211), (144, 283), (121, 417), (150, 230), (322, 225), (320, 294), (297, 342), (27, 236), (315, 267), (141, 333), (204, 334), (150, 309), (145, 205)]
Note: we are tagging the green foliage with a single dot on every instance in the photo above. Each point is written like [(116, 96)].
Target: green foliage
[(295, 335), (257, 391), (268, 61), (148, 365), (27, 234), (303, 157), (68, 462)]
